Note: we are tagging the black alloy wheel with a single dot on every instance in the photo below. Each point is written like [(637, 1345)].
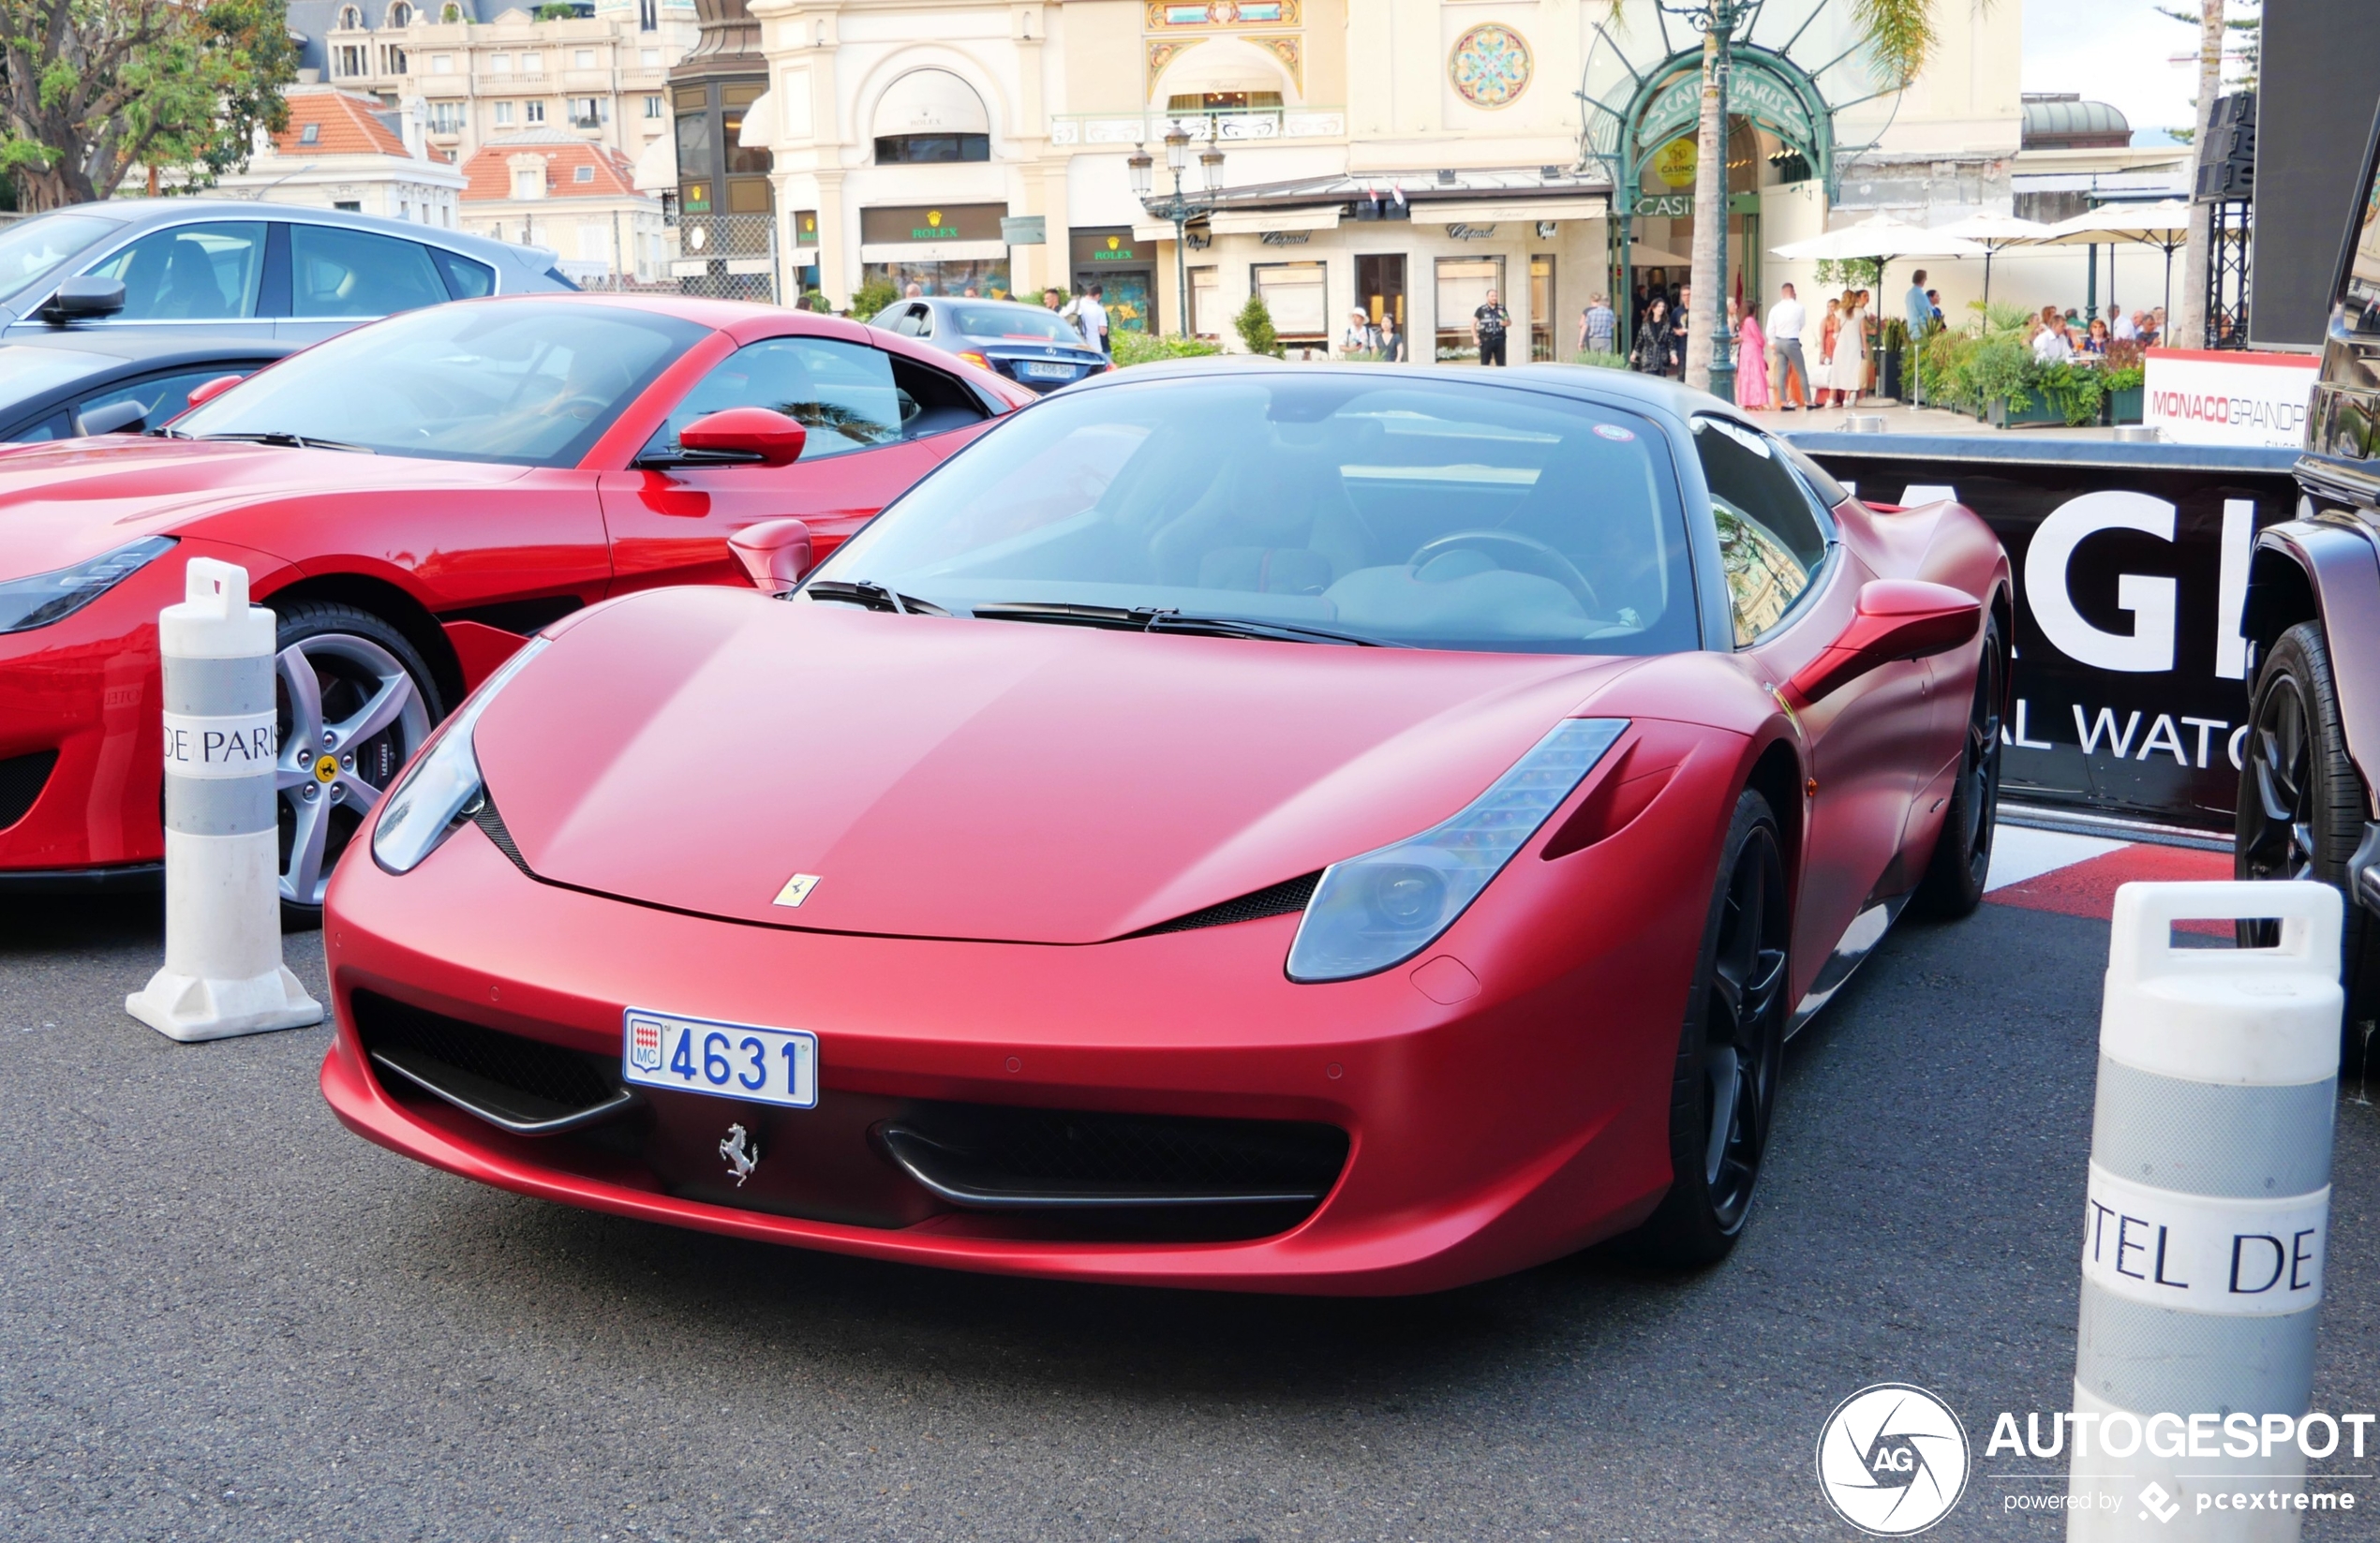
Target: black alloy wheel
[(2301, 814), (1730, 1050), (1953, 882)]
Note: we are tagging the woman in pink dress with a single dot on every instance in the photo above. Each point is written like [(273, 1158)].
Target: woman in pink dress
[(1751, 362)]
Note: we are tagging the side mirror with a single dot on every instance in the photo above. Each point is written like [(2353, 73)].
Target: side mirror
[(207, 390), (125, 417), (776, 439), (1897, 619), (775, 553), (84, 295)]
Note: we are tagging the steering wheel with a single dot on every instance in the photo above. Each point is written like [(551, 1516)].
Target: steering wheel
[(1538, 559)]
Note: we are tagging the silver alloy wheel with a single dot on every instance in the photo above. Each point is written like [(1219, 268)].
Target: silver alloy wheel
[(342, 759)]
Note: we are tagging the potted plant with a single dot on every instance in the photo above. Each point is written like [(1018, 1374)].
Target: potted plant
[(2127, 379), (1893, 356)]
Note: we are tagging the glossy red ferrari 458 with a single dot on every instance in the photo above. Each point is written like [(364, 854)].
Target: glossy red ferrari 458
[(1341, 829), (412, 498)]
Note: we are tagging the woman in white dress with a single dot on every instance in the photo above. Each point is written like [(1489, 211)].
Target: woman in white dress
[(1847, 371)]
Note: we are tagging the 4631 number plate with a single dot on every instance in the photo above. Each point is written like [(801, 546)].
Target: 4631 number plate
[(738, 1060)]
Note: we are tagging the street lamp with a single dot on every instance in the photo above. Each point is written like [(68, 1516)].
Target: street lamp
[(1181, 205)]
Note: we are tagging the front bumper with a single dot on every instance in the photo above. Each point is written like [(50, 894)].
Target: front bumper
[(1503, 1130)]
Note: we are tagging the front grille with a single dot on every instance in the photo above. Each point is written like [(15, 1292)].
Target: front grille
[(523, 1084), (1274, 900), (21, 779), (993, 1157)]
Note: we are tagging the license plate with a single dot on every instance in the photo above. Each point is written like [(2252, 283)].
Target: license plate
[(738, 1060), (1040, 371)]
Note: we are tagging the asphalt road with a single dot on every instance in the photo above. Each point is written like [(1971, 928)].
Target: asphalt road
[(221, 1316)]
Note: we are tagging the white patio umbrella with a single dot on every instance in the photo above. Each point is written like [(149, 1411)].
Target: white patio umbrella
[(1882, 238), (2165, 225), (1994, 233)]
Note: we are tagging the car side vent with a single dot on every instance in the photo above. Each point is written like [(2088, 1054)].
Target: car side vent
[(1274, 900), (21, 779), (517, 1084), (486, 817)]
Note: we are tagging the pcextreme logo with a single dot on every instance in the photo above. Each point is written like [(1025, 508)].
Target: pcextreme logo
[(1892, 1460)]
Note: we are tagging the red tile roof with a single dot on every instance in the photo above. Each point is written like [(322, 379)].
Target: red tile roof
[(346, 126), (489, 171)]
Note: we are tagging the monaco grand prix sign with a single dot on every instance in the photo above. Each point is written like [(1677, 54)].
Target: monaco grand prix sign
[(2131, 676)]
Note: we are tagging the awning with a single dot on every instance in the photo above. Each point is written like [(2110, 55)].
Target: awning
[(931, 251), (760, 123), (1257, 222), (1163, 231), (930, 101), (657, 166), (1518, 211)]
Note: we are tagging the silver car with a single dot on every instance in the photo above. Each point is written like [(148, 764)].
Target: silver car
[(1039, 349), (221, 269)]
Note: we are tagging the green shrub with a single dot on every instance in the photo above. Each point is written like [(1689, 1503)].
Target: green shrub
[(1255, 326), (1144, 348), (559, 11), (1601, 361), (871, 297)]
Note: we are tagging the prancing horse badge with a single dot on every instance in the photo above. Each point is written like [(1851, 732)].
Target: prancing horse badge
[(796, 889), (741, 1151)]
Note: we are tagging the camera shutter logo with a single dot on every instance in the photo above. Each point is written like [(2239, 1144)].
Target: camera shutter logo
[(1892, 1460)]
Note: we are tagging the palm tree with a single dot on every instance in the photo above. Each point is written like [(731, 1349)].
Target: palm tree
[(1900, 35)]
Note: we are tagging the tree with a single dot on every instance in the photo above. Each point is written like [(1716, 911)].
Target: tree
[(2188, 325), (1255, 326), (90, 88), (1900, 36)]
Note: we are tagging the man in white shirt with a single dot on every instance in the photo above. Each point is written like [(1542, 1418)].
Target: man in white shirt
[(1786, 319), (2125, 330), (2050, 346)]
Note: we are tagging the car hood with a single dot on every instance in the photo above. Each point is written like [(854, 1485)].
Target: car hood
[(64, 501), (696, 748)]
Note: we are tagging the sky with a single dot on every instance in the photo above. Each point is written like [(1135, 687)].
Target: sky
[(2114, 51)]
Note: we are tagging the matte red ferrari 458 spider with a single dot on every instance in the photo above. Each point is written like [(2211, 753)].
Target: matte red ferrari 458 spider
[(1334, 829), (412, 498)]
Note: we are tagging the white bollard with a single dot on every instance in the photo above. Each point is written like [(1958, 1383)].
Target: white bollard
[(223, 973), (2209, 1197)]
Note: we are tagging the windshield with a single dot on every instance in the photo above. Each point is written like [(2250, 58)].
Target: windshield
[(33, 249), (528, 382), (1016, 323), (1420, 513)]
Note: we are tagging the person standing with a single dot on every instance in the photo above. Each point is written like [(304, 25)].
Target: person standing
[(1096, 311), (1391, 340), (1846, 370), (1681, 318), (1786, 319), (1489, 324), (1652, 338), (1598, 327), (1918, 307), (1360, 339), (1751, 359)]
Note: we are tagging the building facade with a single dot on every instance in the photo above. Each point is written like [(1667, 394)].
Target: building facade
[(549, 188), (1400, 157), (343, 151), (481, 72)]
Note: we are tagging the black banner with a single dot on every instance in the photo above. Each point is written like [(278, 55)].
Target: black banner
[(2131, 568)]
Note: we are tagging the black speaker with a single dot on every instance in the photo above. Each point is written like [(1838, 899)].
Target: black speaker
[(2227, 150)]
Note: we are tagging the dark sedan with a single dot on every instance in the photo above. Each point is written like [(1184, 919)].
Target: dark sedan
[(90, 382), (1038, 349)]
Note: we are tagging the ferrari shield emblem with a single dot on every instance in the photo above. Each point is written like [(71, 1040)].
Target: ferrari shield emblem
[(796, 889), (644, 1044)]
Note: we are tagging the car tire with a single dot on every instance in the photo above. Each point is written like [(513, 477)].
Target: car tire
[(1730, 1050), (2301, 812), (1953, 885), (353, 700)]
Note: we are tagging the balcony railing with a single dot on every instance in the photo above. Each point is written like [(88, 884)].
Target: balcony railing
[(1226, 126)]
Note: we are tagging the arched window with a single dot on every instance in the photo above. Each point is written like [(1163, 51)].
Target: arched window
[(931, 115), (452, 12), (400, 14), (350, 18)]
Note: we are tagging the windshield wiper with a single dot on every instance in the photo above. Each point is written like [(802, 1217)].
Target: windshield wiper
[(286, 440), (1141, 619), (872, 597)]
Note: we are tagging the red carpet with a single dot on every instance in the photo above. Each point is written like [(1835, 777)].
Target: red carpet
[(2087, 888)]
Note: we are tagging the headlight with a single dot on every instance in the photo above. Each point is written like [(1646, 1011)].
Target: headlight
[(45, 598), (438, 790), (1386, 906)]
